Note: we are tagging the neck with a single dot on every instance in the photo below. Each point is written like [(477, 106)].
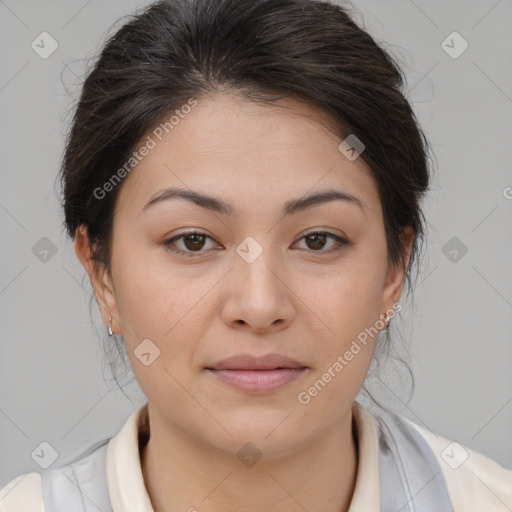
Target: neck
[(181, 473)]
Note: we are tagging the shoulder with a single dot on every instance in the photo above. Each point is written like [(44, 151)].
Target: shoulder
[(22, 494), (474, 481), (29, 492), (86, 472)]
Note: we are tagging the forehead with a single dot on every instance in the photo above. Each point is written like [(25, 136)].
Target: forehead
[(246, 151)]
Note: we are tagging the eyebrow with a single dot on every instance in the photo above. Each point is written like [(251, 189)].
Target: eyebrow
[(217, 205)]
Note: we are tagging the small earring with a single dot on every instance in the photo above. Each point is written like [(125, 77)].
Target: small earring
[(110, 332), (387, 319)]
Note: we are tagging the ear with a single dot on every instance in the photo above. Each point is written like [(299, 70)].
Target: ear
[(100, 278), (396, 274)]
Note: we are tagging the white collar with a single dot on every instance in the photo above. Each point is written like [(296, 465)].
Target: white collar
[(128, 492)]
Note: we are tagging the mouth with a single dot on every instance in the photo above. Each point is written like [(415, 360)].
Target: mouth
[(257, 374)]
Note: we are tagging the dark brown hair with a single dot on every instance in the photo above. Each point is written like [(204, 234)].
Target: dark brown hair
[(309, 50)]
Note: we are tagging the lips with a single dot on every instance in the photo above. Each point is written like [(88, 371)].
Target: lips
[(249, 362), (257, 375)]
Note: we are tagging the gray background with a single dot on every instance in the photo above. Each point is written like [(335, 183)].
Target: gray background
[(459, 334)]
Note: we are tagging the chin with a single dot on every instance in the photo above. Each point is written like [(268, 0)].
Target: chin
[(271, 432)]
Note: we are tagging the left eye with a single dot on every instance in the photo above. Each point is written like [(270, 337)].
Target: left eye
[(193, 242), (318, 238)]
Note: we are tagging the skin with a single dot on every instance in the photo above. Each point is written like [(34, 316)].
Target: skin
[(300, 297)]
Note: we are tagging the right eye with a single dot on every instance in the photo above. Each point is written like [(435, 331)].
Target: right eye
[(191, 242)]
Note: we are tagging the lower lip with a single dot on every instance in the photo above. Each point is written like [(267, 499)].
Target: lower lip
[(258, 381)]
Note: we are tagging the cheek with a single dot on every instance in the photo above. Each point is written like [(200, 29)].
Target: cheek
[(349, 305), (157, 301), (162, 307), (350, 298), (149, 293), (349, 308)]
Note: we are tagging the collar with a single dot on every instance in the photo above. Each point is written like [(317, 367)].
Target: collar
[(126, 483)]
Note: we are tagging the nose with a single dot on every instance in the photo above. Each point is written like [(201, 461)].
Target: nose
[(258, 297)]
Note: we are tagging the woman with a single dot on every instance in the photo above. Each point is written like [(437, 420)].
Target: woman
[(243, 183)]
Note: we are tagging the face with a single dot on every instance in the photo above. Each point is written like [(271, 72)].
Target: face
[(268, 273)]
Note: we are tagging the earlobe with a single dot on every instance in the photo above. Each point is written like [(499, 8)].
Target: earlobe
[(105, 296), (99, 278)]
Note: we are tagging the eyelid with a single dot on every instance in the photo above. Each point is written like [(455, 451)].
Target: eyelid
[(326, 231), (341, 240), (167, 243)]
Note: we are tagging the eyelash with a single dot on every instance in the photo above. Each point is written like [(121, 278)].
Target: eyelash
[(341, 241)]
